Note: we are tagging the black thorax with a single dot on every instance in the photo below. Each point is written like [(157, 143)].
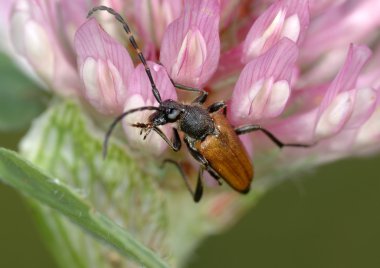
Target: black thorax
[(196, 122)]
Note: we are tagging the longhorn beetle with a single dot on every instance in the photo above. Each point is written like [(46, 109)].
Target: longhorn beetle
[(208, 135)]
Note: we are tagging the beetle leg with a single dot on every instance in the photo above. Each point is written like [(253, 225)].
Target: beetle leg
[(216, 106), (199, 188), (200, 158), (200, 99), (197, 156), (250, 128), (198, 192), (215, 175), (140, 125), (175, 144), (144, 128)]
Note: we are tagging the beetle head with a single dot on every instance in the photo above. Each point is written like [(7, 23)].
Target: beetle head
[(169, 111)]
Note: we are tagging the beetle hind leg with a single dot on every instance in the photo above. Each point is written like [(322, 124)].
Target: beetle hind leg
[(214, 175), (198, 191), (250, 128)]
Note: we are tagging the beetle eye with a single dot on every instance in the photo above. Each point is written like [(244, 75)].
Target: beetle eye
[(173, 113)]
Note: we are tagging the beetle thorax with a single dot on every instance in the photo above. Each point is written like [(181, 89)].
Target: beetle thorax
[(196, 122)]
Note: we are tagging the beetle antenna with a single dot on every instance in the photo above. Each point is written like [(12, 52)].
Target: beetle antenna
[(132, 40), (117, 120)]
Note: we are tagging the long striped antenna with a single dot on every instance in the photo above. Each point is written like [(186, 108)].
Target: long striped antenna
[(119, 18)]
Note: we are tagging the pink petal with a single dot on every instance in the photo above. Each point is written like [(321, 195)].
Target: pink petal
[(190, 47), (369, 133), (347, 76), (333, 117), (140, 84), (103, 85), (365, 104), (318, 7), (329, 33), (283, 19), (74, 14), (298, 128), (34, 32), (350, 21), (360, 130), (154, 16), (343, 105), (338, 109), (323, 69), (263, 87), (371, 76), (153, 143), (5, 12), (104, 66)]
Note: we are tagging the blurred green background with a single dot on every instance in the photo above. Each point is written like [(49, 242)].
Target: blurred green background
[(326, 218)]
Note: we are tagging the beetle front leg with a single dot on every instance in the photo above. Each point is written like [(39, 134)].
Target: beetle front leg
[(198, 192), (175, 144), (200, 99), (250, 128)]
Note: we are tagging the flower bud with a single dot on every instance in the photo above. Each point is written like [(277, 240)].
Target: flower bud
[(104, 67), (35, 35), (369, 133), (337, 107), (154, 16), (263, 87), (191, 47), (324, 49), (283, 19), (338, 103)]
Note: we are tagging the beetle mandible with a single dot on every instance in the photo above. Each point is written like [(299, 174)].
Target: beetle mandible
[(210, 138)]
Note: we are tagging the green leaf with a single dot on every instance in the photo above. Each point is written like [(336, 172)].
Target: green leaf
[(21, 100), (26, 178)]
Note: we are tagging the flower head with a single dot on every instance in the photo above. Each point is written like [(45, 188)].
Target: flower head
[(301, 70)]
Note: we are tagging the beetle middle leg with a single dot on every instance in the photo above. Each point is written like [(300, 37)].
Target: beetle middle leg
[(250, 128), (198, 192), (216, 106), (200, 158), (213, 174)]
